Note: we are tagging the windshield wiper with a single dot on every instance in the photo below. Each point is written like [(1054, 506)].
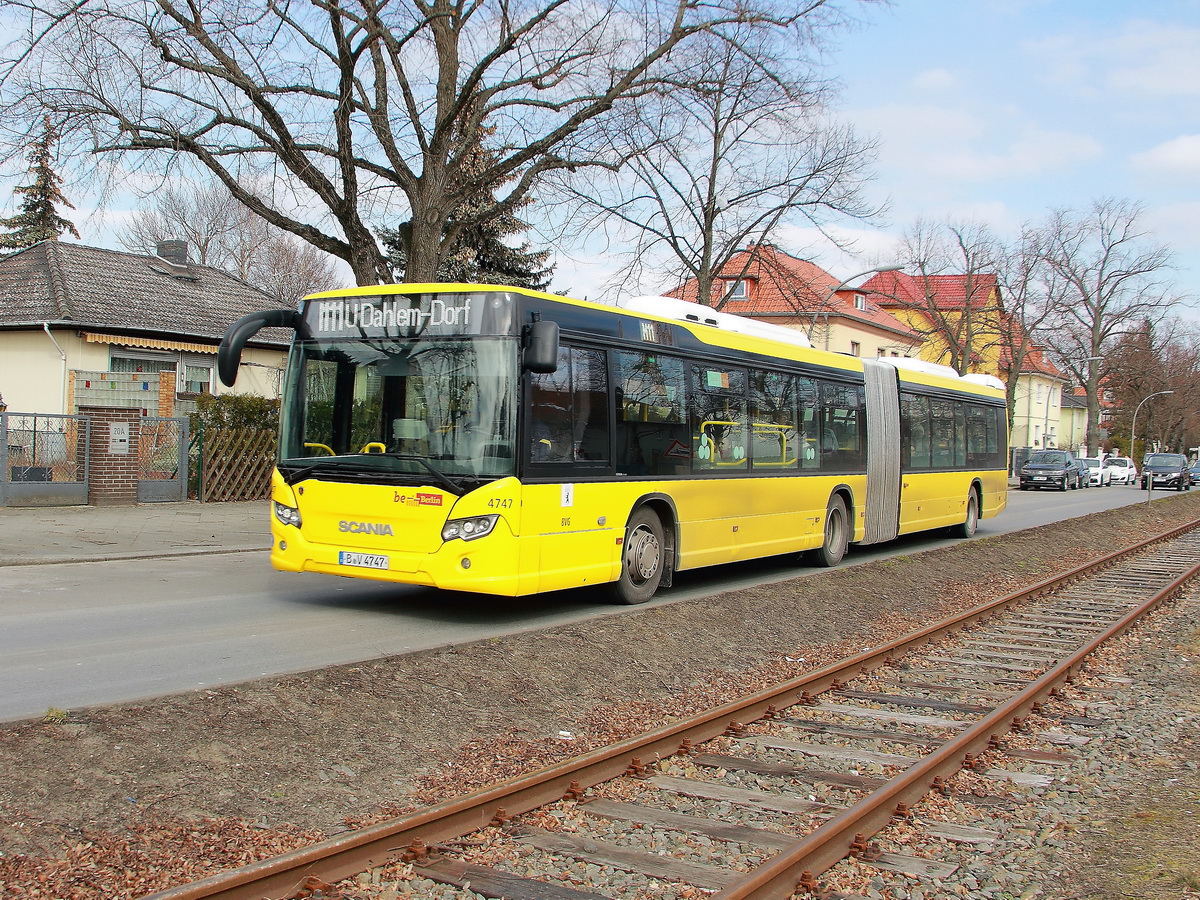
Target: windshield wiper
[(443, 480), (303, 472), (338, 466)]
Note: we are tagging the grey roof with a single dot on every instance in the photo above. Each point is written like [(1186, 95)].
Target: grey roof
[(107, 290), (1071, 399)]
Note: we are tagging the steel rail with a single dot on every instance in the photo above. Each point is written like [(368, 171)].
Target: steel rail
[(404, 837), (847, 832)]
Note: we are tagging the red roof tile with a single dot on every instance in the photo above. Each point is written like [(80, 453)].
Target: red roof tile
[(780, 285), (899, 290)]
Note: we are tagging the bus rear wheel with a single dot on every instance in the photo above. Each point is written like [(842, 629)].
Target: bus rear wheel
[(968, 527), (642, 559), (837, 535)]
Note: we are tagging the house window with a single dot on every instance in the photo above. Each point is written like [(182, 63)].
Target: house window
[(736, 290), (197, 379), (855, 348), (860, 302), (150, 365)]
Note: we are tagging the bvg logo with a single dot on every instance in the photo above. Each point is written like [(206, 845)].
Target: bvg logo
[(364, 527)]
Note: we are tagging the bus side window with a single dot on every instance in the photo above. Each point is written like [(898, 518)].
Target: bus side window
[(774, 442), (568, 413), (719, 424), (651, 431), (842, 427), (806, 396), (942, 422), (914, 418)]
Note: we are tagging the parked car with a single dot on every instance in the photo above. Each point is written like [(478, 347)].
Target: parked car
[(1082, 478), (1051, 469), (1195, 470), (1122, 468), (1099, 475), (1166, 470)]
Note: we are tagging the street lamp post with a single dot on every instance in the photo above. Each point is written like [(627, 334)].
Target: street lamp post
[(1133, 424), (824, 305)]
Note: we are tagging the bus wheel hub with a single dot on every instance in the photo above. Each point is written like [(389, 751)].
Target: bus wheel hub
[(643, 554)]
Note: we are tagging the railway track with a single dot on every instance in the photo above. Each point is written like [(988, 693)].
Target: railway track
[(766, 795)]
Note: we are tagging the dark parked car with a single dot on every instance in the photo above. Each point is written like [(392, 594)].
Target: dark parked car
[(1083, 474), (1052, 469), (1166, 470)]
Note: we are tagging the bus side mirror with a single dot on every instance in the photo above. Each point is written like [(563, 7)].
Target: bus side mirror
[(541, 347), (229, 353)]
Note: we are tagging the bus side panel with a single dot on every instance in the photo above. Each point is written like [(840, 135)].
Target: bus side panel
[(574, 529), (925, 499), (729, 520), (995, 493), (935, 499)]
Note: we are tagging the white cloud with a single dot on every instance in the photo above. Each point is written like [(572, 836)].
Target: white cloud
[(1173, 159), (935, 80), (1141, 58), (946, 144)]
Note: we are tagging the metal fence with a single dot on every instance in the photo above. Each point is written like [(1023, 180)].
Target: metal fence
[(162, 459), (43, 459)]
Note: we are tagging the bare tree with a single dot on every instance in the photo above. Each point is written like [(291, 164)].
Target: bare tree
[(353, 105), (717, 163), (225, 234), (1105, 276), (1153, 357), (1024, 309), (952, 299)]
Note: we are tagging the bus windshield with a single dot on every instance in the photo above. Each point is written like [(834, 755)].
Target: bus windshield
[(399, 411)]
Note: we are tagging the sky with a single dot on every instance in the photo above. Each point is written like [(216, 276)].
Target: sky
[(999, 111)]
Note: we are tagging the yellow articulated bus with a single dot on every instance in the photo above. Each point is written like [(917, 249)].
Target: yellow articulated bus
[(505, 441)]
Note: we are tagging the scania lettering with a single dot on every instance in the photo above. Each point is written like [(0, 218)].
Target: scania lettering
[(364, 528), (507, 441)]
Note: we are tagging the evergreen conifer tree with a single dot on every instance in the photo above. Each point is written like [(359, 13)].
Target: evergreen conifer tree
[(38, 219), (479, 253)]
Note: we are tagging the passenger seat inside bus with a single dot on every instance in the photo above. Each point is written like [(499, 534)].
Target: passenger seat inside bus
[(410, 436)]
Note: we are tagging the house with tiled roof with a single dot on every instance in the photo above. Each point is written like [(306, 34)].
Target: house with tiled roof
[(763, 282), (966, 327), (83, 326), (1038, 404), (958, 315)]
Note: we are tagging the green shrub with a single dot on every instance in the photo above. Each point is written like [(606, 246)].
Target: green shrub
[(234, 411)]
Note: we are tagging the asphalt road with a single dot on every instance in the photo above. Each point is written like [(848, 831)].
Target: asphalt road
[(87, 634)]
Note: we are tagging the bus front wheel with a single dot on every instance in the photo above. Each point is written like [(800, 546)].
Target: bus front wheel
[(642, 558), (837, 535)]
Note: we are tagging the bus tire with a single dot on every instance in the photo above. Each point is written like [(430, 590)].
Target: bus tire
[(837, 535), (968, 527), (642, 558)]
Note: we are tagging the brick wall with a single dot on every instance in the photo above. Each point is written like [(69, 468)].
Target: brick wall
[(166, 393), (113, 477)]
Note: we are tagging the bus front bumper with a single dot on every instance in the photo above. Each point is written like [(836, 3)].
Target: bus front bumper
[(485, 566)]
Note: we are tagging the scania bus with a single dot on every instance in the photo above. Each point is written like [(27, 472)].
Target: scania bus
[(505, 441)]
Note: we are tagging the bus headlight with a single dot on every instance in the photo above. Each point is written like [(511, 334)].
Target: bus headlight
[(287, 514), (468, 529)]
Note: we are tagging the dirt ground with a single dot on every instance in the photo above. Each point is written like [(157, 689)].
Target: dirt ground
[(282, 759)]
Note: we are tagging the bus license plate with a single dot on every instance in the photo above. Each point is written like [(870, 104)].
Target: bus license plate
[(362, 560)]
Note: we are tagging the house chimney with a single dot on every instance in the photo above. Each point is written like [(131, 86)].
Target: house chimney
[(174, 252)]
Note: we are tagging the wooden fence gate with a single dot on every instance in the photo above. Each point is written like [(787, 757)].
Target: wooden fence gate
[(236, 464)]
